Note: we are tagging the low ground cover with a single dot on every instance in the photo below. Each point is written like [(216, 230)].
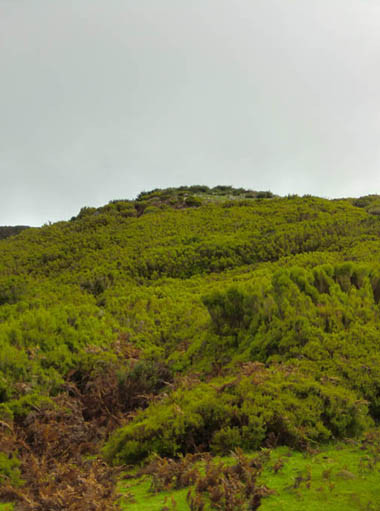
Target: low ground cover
[(334, 478)]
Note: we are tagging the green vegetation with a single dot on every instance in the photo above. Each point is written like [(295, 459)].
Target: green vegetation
[(6, 231), (189, 320), (336, 478)]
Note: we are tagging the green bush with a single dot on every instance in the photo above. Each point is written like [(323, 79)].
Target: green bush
[(243, 412), (10, 472)]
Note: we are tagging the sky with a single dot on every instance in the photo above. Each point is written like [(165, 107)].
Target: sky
[(101, 99)]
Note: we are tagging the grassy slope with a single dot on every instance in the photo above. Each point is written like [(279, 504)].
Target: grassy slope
[(75, 294)]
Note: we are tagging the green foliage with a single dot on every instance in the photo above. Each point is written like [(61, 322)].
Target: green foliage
[(223, 414), (177, 297), (12, 289), (7, 231), (336, 477), (10, 470)]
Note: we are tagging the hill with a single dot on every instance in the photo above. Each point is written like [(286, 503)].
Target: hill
[(190, 320), (6, 231)]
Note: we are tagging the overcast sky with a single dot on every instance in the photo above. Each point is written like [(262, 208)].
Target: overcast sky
[(101, 99)]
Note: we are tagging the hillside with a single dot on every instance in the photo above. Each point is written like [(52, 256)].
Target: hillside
[(6, 231), (190, 320)]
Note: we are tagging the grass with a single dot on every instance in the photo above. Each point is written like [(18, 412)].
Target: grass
[(336, 478), (144, 500)]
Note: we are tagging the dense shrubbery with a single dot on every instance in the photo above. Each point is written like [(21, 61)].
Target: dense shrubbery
[(6, 231), (197, 318), (325, 321), (222, 414)]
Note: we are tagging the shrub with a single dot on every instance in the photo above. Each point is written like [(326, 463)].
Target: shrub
[(193, 202), (12, 289), (10, 470), (243, 412)]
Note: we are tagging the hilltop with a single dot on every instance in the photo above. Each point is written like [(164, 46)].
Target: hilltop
[(188, 320)]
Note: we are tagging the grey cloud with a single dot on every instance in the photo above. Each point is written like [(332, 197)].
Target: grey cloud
[(100, 100)]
